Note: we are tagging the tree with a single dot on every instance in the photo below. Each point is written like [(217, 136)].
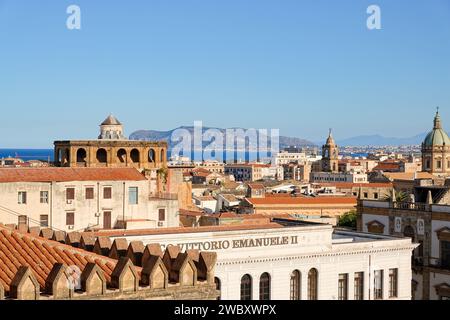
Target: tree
[(399, 197), (348, 220)]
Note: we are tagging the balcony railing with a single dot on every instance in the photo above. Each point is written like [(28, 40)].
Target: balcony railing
[(411, 206), (164, 196)]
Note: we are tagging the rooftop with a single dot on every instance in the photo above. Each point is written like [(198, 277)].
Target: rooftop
[(301, 200), (52, 174)]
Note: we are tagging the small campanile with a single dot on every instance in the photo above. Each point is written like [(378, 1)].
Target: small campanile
[(330, 155)]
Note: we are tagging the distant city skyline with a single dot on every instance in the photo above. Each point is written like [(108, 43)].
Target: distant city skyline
[(298, 66)]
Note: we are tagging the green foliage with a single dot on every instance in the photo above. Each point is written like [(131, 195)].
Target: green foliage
[(399, 197), (348, 220)]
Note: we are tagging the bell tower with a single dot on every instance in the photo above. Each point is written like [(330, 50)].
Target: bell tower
[(330, 155)]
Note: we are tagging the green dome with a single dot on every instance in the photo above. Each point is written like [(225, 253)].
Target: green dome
[(437, 136)]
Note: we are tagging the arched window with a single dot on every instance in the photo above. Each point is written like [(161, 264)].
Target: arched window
[(60, 155), (66, 156), (81, 155), (163, 155), (409, 232), (151, 155), (122, 155), (102, 156), (295, 285), (134, 155), (218, 286), (312, 284), (264, 286), (246, 287)]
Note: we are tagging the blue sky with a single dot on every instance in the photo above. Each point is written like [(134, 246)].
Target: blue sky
[(298, 65)]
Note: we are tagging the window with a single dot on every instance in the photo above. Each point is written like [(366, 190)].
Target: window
[(366, 195), (22, 197), (70, 218), (246, 287), (378, 284), (393, 275), (44, 197), (89, 193), (343, 286), (133, 195), (312, 284), (445, 253), (439, 164), (107, 193), (375, 195), (359, 286), (264, 287), (70, 194), (23, 220), (162, 214), (218, 286), (44, 220), (295, 285), (427, 164)]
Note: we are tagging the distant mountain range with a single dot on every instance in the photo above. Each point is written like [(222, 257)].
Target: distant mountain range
[(360, 141), (167, 136), (378, 140)]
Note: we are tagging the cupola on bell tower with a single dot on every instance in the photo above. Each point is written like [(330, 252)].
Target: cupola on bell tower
[(330, 155)]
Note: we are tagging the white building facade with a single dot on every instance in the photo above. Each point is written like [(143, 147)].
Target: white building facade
[(297, 261)]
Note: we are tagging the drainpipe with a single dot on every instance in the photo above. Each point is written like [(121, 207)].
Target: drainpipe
[(370, 274), (123, 205), (51, 205)]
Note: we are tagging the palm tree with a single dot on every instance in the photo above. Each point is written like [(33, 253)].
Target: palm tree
[(399, 197)]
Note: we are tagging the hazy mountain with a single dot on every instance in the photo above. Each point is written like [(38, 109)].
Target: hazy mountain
[(166, 136), (378, 140)]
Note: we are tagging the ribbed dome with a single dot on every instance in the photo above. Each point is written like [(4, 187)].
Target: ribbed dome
[(437, 136)]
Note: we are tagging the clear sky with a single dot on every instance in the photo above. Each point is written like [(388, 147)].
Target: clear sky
[(298, 65)]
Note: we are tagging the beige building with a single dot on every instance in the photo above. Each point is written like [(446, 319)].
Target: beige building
[(336, 177), (83, 198), (427, 222), (111, 150)]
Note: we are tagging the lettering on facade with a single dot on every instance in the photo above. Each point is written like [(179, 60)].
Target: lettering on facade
[(237, 244)]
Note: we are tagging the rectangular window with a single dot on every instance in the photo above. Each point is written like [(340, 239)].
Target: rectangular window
[(393, 277), (343, 286), (378, 284), (107, 193), (44, 220), (44, 196), (133, 195), (445, 254), (162, 214), (70, 218), (22, 197), (89, 193), (359, 286), (366, 195), (23, 220), (375, 195), (70, 194)]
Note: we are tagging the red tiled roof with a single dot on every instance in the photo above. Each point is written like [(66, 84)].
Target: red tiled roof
[(69, 174), (256, 185), (191, 213), (301, 200), (357, 185), (40, 254)]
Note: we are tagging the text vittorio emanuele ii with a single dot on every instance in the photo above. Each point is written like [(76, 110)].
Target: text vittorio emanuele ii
[(239, 243)]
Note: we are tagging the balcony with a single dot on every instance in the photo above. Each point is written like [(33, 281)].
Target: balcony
[(163, 196)]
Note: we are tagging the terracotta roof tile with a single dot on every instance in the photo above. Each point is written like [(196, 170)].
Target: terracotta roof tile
[(301, 200), (40, 254), (69, 174)]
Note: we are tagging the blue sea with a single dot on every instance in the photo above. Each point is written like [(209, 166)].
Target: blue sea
[(28, 154)]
